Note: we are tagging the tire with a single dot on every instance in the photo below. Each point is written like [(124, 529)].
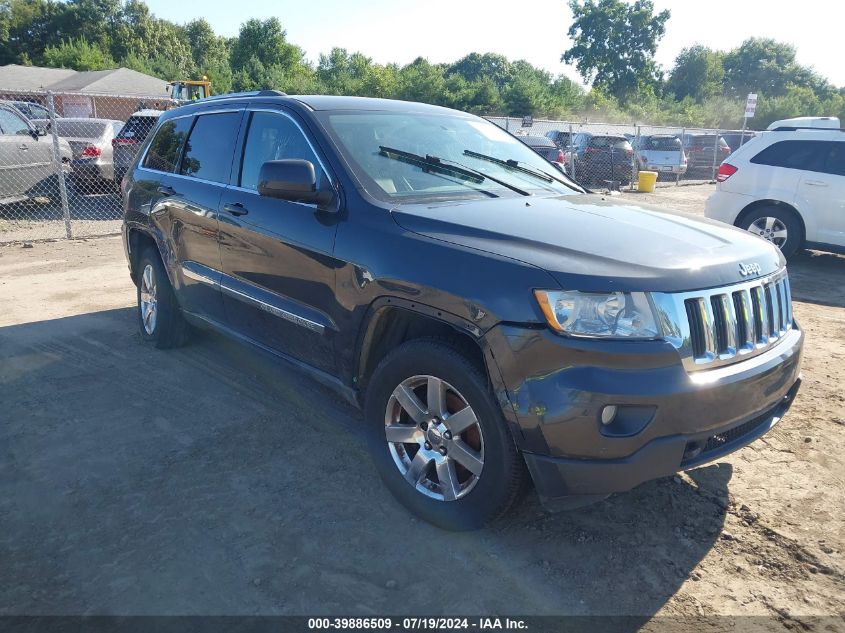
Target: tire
[(771, 222), (160, 319), (484, 470)]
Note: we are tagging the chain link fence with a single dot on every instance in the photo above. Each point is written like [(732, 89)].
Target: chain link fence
[(62, 157), (610, 155)]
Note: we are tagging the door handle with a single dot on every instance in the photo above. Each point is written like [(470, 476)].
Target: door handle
[(236, 209), (816, 183), (166, 190), (23, 147)]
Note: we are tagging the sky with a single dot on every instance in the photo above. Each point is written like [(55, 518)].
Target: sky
[(446, 30)]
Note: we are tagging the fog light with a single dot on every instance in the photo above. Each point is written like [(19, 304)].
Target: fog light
[(608, 414)]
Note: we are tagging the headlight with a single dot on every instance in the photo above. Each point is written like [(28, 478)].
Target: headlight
[(600, 315)]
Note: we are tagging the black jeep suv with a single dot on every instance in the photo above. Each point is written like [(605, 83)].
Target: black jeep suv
[(492, 318)]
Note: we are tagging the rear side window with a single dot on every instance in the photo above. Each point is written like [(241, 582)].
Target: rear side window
[(835, 158), (808, 155), (273, 137), (208, 152), (165, 146), (138, 127)]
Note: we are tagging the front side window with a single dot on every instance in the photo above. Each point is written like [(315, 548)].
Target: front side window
[(165, 146), (380, 148), (273, 136), (208, 151), (806, 155), (12, 124)]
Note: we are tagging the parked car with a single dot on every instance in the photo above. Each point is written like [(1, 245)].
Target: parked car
[(700, 149), (545, 147), (90, 141), (130, 137), (735, 139), (484, 310), (662, 153), (27, 167), (32, 111), (787, 186), (560, 138), (600, 158)]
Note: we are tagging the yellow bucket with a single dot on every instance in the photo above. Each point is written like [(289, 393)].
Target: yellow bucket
[(647, 181)]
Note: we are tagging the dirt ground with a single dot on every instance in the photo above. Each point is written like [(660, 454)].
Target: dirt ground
[(212, 480)]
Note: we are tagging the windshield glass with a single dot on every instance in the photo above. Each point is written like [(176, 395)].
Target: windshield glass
[(360, 135), (663, 143)]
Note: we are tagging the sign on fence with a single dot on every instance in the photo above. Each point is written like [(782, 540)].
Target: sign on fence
[(750, 105)]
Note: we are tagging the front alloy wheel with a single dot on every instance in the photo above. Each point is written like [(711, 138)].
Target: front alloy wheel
[(434, 438), (770, 229), (438, 437)]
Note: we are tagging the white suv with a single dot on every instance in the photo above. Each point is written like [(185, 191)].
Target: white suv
[(787, 185)]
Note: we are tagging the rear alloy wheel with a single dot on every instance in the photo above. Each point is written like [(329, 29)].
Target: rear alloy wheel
[(438, 437), (776, 225), (160, 319)]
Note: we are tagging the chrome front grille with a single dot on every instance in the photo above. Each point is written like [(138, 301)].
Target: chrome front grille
[(724, 325)]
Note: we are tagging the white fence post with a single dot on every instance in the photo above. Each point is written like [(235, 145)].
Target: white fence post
[(57, 162)]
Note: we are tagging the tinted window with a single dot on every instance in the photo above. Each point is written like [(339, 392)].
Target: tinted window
[(273, 137), (137, 127), (11, 123), (835, 158), (208, 152), (809, 155), (164, 148)]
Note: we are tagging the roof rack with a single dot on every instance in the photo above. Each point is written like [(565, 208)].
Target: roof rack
[(252, 93), (795, 128)]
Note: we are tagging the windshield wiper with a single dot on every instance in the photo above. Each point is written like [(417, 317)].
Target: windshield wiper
[(510, 164), (515, 166), (445, 166)]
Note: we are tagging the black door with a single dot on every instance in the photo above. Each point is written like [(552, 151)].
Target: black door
[(278, 270), (191, 199)]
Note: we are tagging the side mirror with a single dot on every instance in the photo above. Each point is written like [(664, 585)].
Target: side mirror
[(41, 130), (291, 179)]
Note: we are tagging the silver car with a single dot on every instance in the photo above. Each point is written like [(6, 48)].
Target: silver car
[(27, 167), (662, 153), (91, 143)]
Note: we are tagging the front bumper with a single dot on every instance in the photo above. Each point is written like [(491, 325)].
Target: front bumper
[(553, 391)]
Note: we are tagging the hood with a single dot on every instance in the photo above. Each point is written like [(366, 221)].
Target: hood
[(593, 242)]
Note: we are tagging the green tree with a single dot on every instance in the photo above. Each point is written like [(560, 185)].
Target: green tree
[(210, 54), (476, 67), (266, 41), (78, 55), (698, 73), (613, 44), (769, 67)]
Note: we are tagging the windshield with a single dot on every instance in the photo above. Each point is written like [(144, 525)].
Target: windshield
[(615, 142), (662, 143), (461, 140)]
